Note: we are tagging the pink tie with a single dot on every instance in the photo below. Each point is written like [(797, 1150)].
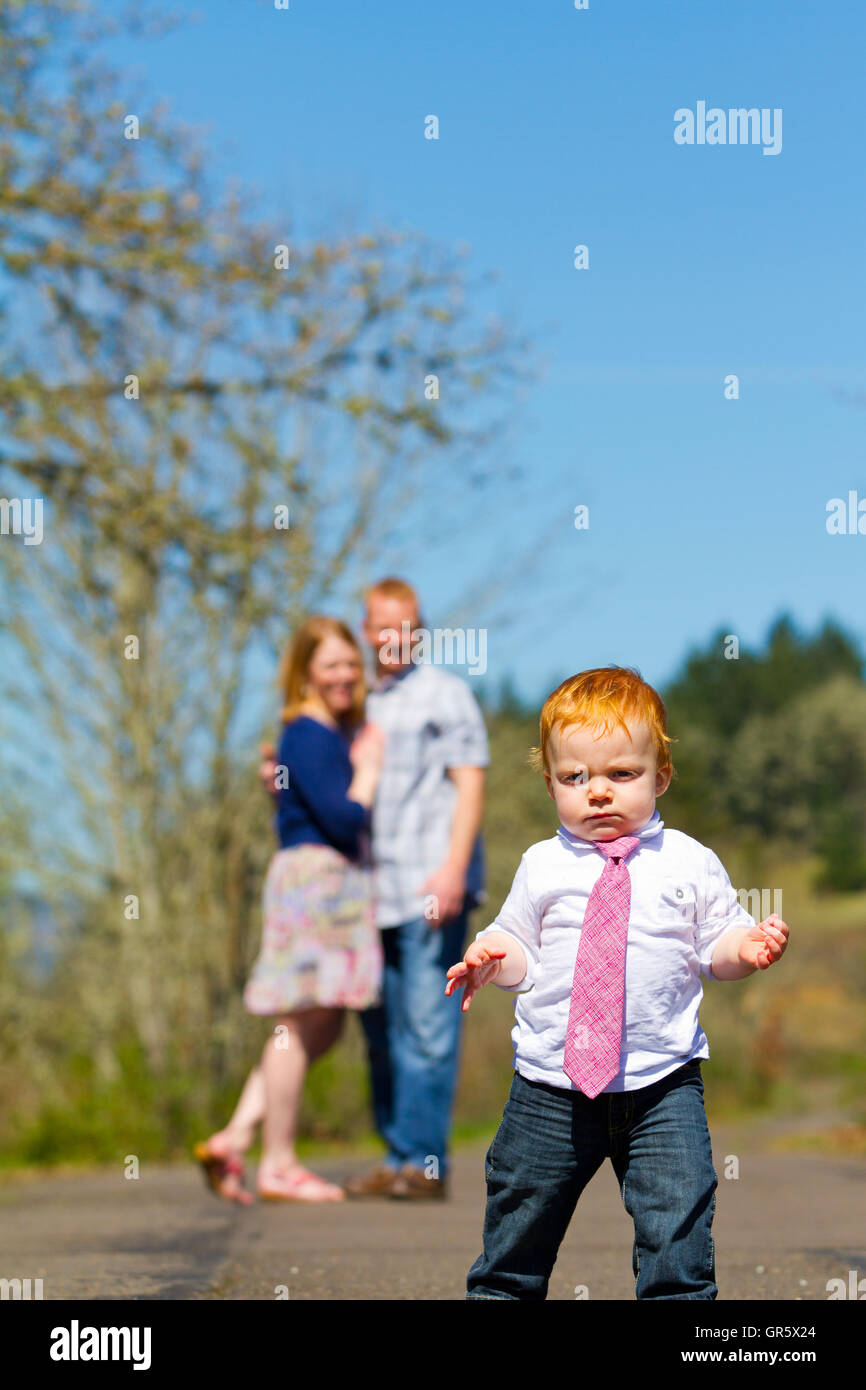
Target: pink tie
[(592, 1040)]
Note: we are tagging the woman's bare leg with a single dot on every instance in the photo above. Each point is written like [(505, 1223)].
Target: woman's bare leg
[(248, 1114), (324, 1032), (317, 1032), (239, 1133), (298, 1039)]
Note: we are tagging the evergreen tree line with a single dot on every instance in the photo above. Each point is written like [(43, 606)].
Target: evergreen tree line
[(770, 745)]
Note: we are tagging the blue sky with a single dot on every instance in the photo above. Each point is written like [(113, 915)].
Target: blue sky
[(556, 128)]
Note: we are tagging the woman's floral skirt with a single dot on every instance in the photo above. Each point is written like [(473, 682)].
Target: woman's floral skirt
[(320, 943)]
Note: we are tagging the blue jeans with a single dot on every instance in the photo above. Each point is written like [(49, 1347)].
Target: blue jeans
[(413, 1042), (549, 1145)]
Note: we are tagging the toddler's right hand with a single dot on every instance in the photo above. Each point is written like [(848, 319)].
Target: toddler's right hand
[(478, 967)]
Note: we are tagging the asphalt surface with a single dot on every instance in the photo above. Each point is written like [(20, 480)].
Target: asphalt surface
[(784, 1227)]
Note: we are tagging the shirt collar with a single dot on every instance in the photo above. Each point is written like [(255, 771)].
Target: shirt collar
[(653, 826), (383, 683)]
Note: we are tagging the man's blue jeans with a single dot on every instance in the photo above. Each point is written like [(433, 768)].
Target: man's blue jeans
[(413, 1040), (549, 1145)]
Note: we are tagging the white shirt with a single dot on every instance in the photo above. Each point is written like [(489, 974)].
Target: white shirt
[(682, 902)]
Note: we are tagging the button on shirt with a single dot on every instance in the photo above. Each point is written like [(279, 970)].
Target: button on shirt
[(431, 722), (682, 902)]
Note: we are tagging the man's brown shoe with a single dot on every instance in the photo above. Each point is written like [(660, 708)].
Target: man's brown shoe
[(413, 1185), (378, 1182)]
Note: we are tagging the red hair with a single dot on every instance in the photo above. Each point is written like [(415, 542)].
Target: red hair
[(603, 698), (392, 587)]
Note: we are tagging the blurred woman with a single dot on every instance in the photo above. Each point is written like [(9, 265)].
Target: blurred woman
[(321, 951)]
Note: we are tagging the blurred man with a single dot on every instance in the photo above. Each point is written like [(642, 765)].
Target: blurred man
[(427, 854)]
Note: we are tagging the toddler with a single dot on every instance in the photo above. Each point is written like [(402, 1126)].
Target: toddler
[(603, 937)]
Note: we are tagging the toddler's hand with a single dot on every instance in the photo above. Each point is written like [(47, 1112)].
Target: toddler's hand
[(765, 943), (478, 967)]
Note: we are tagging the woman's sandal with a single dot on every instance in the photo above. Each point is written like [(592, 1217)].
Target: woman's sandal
[(217, 1168), (297, 1184)]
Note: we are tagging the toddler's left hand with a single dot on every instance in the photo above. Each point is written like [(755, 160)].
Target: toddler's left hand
[(765, 943)]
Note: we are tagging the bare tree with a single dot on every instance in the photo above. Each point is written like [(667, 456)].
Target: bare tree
[(225, 424)]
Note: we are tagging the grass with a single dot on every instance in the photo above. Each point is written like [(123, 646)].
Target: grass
[(787, 1046)]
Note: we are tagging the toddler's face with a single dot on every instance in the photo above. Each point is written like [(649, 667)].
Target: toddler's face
[(604, 785)]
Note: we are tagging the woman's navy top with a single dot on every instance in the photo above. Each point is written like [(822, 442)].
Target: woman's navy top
[(314, 809)]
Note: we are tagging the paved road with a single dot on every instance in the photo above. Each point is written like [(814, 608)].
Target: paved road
[(785, 1226)]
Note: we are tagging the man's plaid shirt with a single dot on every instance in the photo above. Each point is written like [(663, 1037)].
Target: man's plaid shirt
[(431, 722)]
